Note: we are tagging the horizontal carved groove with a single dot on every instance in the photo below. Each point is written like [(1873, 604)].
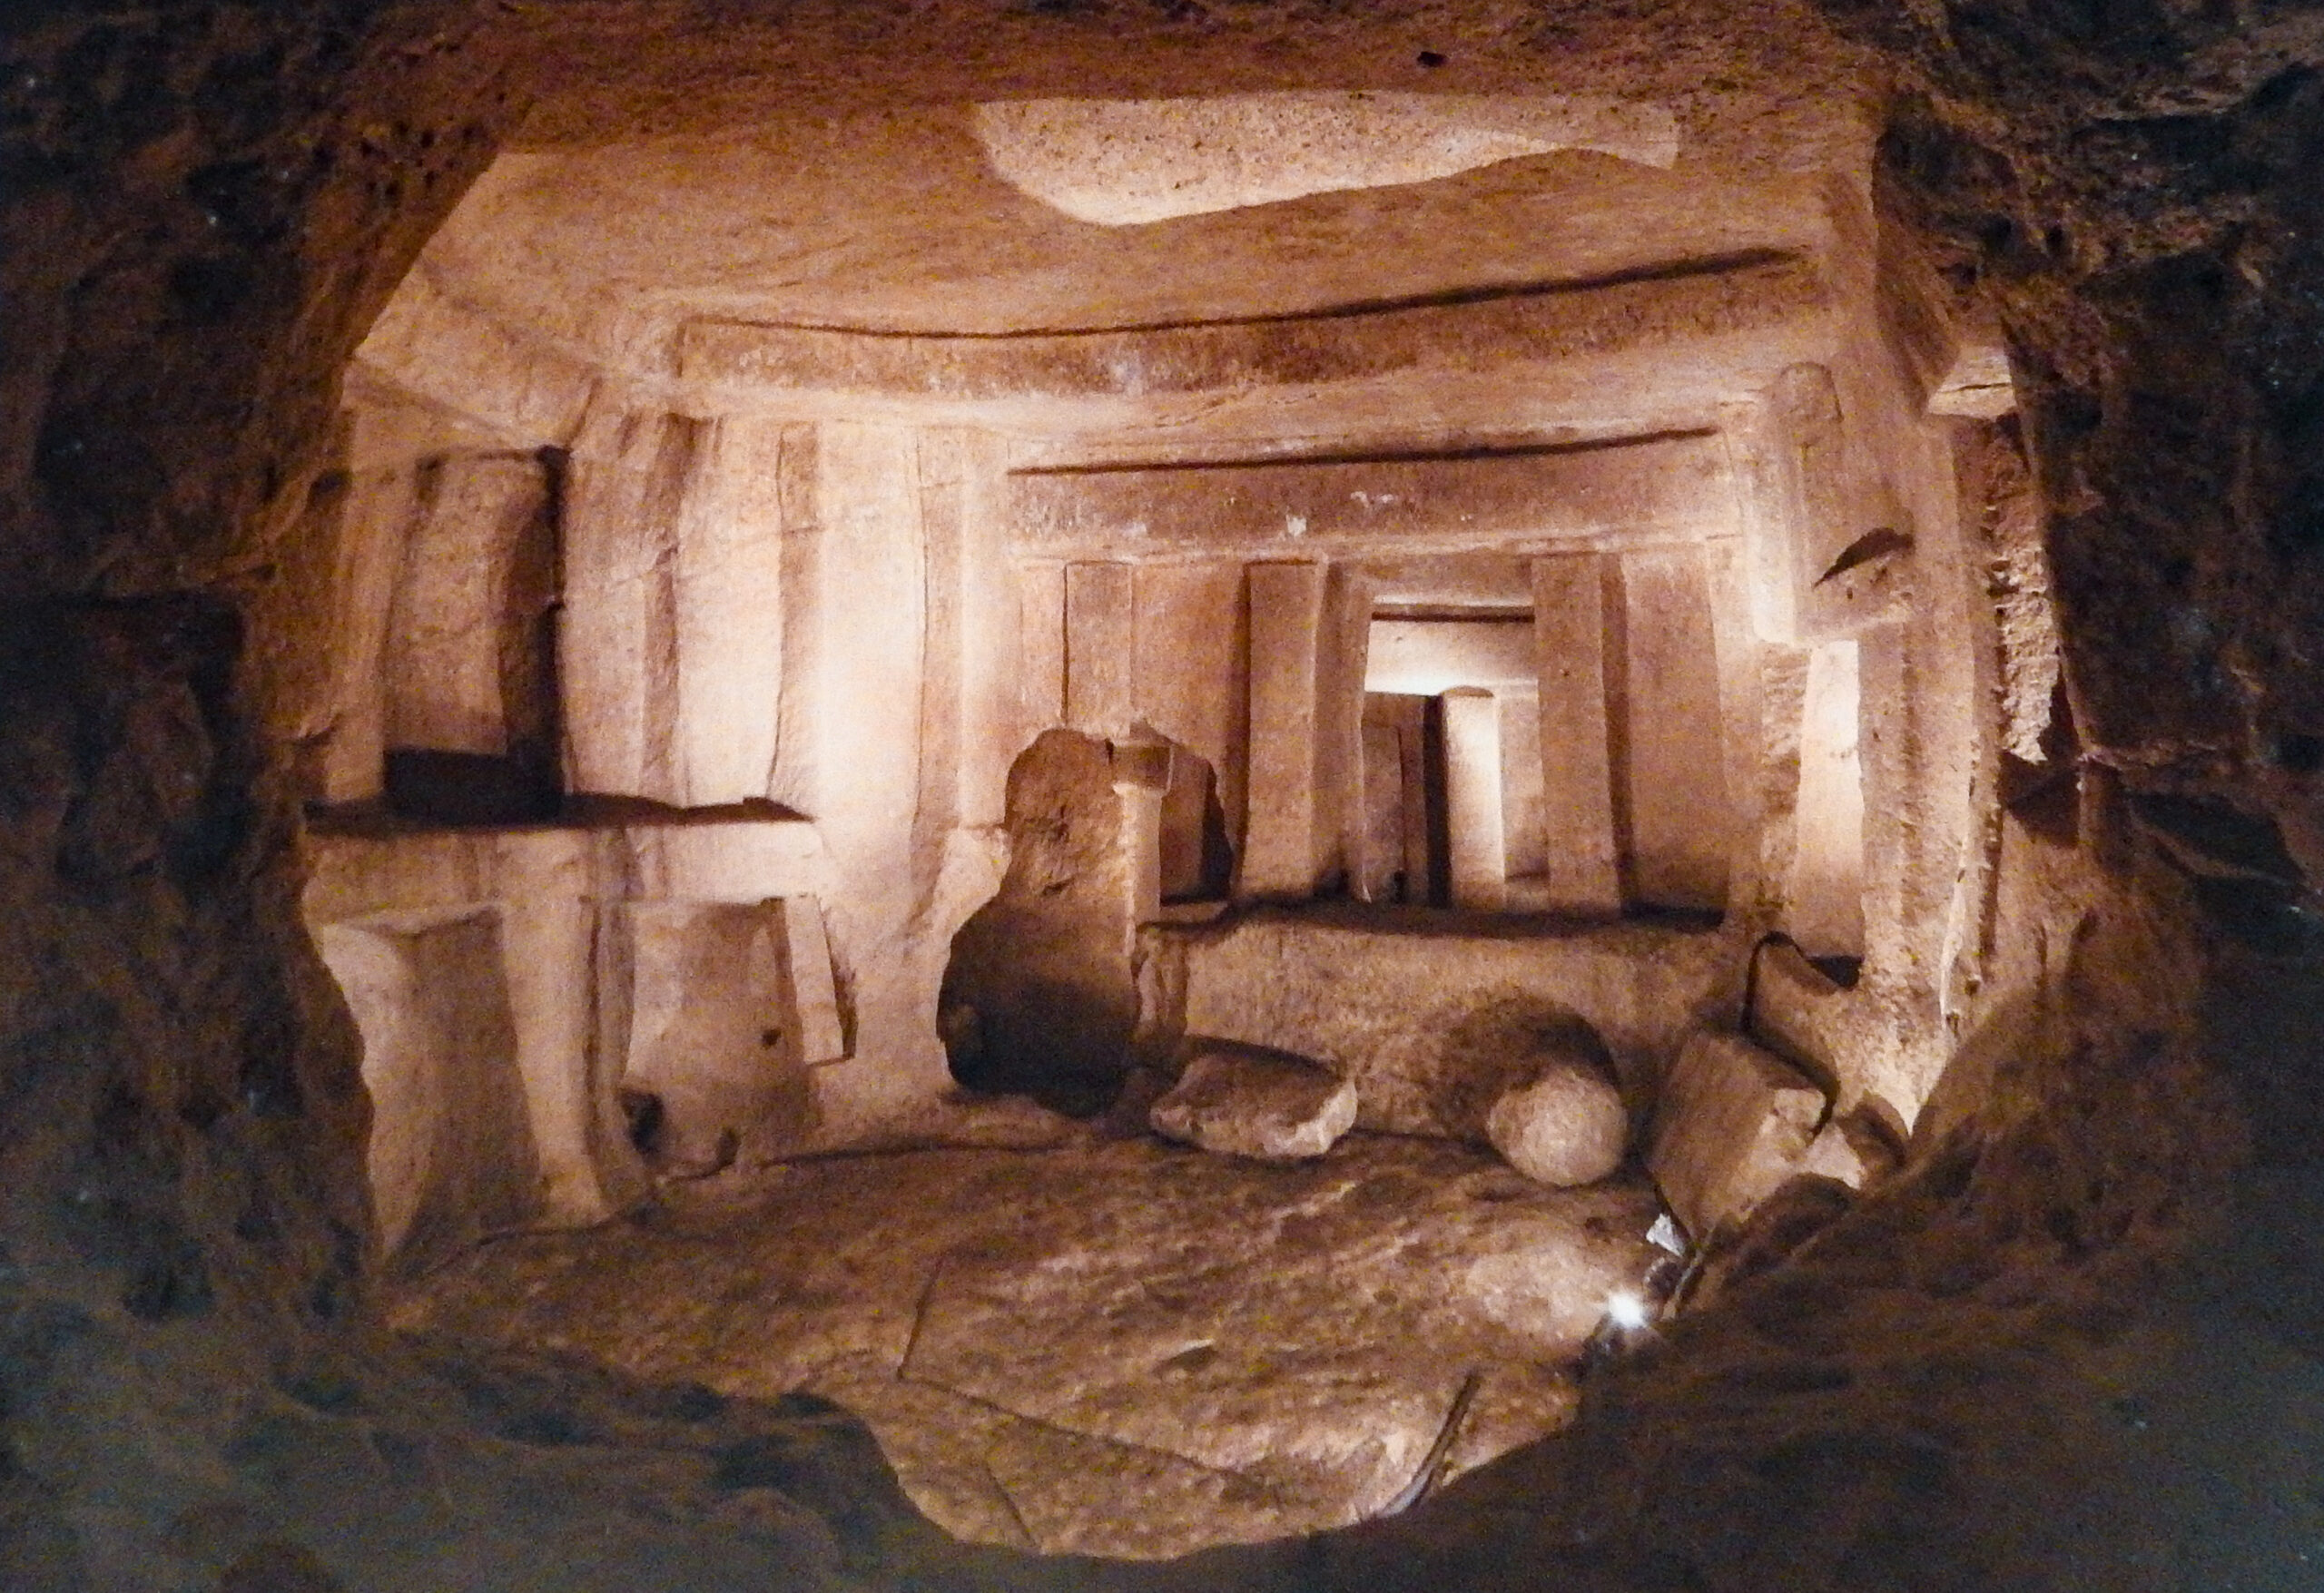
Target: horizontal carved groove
[(1377, 457), (1660, 272)]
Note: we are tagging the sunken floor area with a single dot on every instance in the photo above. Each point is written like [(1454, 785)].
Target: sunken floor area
[(1114, 1346)]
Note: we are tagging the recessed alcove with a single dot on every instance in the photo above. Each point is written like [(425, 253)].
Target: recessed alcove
[(814, 758)]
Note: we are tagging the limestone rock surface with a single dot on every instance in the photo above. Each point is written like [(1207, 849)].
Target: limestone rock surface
[(1109, 1348), (1247, 1103), (1434, 1015), (1568, 1127), (1735, 1121)]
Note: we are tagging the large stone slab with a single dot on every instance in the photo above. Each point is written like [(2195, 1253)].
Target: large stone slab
[(1430, 1016), (1734, 1121), (1752, 293), (451, 1155), (1796, 1011), (1209, 1309), (1573, 598), (1674, 781), (1243, 1103), (1279, 845), (1114, 1347)]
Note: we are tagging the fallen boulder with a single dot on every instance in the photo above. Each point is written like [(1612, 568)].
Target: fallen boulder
[(1249, 1104), (1851, 1150), (1733, 1122), (1568, 1127)]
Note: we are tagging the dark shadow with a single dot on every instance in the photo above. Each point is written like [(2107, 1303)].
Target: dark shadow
[(1038, 998), (1197, 859), (466, 788)]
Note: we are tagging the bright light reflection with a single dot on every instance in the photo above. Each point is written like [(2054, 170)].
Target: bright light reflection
[(1625, 1310)]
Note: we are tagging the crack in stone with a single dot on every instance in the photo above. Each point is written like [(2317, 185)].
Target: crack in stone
[(920, 1319), (1431, 1466), (1225, 1473), (1008, 1499)]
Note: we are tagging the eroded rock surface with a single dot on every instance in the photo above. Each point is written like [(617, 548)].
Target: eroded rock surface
[(1122, 1348)]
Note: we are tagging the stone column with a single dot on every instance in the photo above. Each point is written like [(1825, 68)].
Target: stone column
[(1472, 799), (728, 607), (1824, 896), (618, 634), (1582, 871), (548, 933), (374, 521), (1279, 841), (1099, 639), (1141, 776)]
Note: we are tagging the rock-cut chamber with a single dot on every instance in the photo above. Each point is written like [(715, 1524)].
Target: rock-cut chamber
[(1080, 816)]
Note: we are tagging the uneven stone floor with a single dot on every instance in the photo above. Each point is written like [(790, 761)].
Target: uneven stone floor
[(1113, 1347)]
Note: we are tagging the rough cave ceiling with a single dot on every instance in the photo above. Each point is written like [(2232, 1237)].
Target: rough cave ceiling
[(902, 220)]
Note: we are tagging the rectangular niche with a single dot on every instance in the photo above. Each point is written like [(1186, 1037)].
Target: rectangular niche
[(471, 718)]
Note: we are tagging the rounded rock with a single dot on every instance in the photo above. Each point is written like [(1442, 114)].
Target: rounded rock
[(1568, 1127)]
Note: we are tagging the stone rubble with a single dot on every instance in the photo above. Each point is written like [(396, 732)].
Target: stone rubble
[(1249, 1104)]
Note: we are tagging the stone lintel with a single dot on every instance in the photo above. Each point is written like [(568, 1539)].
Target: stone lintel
[(1675, 484), (1550, 322)]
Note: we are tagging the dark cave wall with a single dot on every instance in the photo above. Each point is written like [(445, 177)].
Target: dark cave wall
[(203, 206), (2138, 190)]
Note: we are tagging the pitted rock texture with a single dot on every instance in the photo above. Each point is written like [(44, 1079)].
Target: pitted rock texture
[(1120, 1348), (1567, 1126), (1249, 1104)]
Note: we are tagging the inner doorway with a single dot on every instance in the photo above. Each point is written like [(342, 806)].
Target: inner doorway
[(1450, 766)]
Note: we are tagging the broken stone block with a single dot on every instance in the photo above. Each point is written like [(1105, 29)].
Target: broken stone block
[(1735, 1120), (1245, 1104), (1568, 1127), (1850, 1150), (707, 1038), (1796, 1009)]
